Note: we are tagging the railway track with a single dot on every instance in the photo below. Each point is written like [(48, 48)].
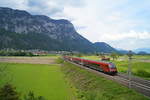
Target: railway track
[(138, 84)]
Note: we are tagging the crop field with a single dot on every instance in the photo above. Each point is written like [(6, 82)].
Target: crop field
[(140, 65), (32, 60), (135, 57), (43, 80), (141, 69)]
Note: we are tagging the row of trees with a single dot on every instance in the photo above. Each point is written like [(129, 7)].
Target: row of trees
[(15, 53), (113, 55)]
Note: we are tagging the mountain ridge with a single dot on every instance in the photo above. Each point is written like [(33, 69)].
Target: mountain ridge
[(147, 50), (106, 48), (19, 25)]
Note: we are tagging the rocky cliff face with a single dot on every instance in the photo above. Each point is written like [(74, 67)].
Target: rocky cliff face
[(23, 22), (50, 34)]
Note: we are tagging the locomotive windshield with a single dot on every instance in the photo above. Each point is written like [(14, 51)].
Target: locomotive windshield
[(111, 65)]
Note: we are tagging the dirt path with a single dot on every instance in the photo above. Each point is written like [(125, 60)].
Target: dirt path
[(144, 60), (31, 60), (137, 60)]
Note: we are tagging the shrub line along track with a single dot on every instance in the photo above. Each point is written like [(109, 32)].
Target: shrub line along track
[(138, 84)]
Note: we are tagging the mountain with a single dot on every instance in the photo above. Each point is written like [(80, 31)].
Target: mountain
[(146, 50), (103, 47), (122, 51), (21, 30), (142, 53)]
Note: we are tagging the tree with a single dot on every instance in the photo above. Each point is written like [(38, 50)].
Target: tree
[(31, 96), (79, 55), (114, 55), (8, 92), (101, 55)]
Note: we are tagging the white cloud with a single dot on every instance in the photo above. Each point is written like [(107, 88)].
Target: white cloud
[(17, 4), (112, 21), (131, 34)]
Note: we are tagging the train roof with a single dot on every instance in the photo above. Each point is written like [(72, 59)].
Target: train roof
[(94, 60)]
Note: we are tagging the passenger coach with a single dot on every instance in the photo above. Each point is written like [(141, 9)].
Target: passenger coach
[(106, 67)]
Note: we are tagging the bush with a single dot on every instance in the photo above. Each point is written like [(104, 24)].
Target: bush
[(31, 96), (142, 73), (8, 92), (15, 53), (59, 60)]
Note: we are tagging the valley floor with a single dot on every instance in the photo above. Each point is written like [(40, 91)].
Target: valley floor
[(43, 80), (59, 80)]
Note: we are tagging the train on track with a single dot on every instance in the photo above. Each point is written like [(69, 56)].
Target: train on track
[(106, 67)]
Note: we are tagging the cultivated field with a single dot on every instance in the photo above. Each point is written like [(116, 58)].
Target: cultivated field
[(43, 78), (140, 65), (31, 60)]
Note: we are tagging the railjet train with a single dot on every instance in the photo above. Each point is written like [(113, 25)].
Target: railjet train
[(106, 67)]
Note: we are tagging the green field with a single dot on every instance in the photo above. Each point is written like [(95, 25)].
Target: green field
[(136, 57), (139, 68), (43, 80)]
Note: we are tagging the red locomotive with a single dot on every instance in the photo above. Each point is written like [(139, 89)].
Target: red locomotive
[(106, 67)]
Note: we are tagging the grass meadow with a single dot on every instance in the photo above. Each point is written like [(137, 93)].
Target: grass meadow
[(139, 67), (43, 80)]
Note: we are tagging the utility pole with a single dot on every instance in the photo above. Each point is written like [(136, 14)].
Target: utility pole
[(129, 67)]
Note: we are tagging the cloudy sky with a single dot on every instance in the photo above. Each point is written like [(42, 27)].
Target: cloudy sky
[(121, 23)]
